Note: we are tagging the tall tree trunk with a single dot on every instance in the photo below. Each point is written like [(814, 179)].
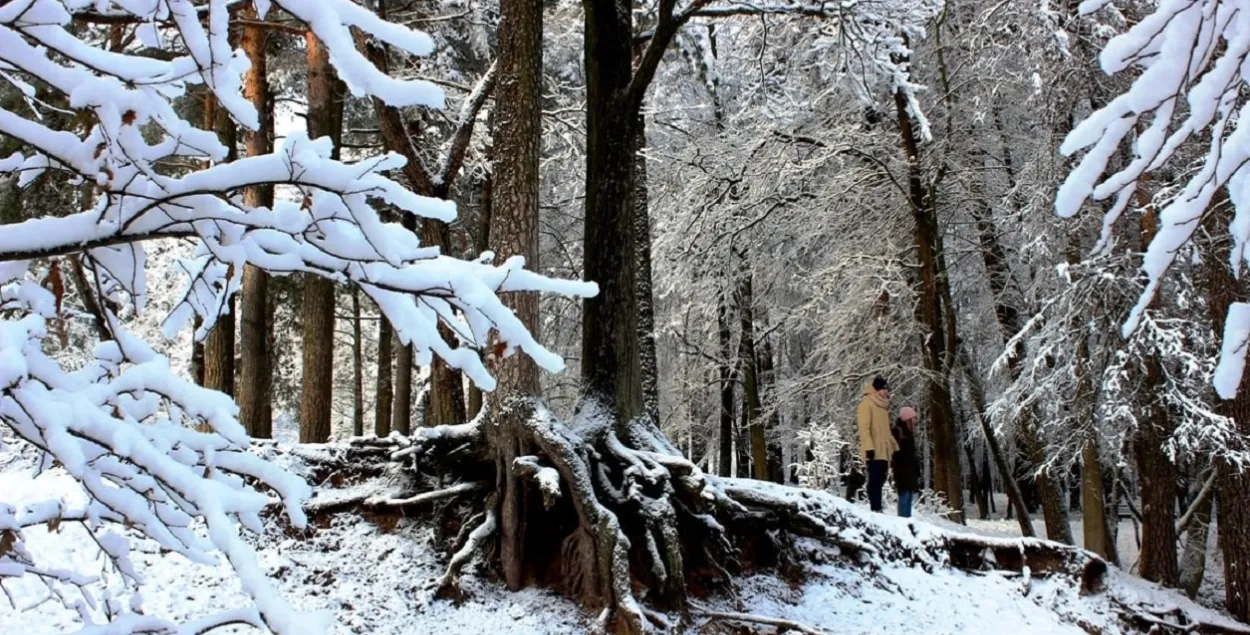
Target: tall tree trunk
[(987, 481), (611, 368), (946, 465), (1233, 482), (481, 242), (1156, 474), (726, 381), (447, 386), (1008, 317), (197, 353), (517, 136), (1193, 565), (977, 391), (255, 375), (648, 365), (358, 368), (1093, 504), (778, 454), (218, 352), (401, 415), (325, 119), (753, 422), (384, 395), (974, 485)]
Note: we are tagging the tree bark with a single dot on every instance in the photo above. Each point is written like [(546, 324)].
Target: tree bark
[(778, 465), (401, 416), (218, 350), (1156, 474), (947, 475), (1094, 523), (325, 119), (1223, 288), (481, 242), (648, 365), (517, 136), (744, 297), (385, 387), (611, 373), (1193, 563), (255, 375), (358, 368), (726, 381)]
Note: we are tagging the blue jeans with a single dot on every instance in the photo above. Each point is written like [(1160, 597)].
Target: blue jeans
[(905, 498), (877, 471)]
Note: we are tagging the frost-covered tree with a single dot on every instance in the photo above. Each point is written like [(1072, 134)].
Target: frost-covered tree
[(1188, 58), (155, 455)]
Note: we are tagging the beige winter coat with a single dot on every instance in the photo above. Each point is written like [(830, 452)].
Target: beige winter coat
[(873, 417)]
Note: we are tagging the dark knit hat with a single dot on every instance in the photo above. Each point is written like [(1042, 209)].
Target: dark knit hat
[(879, 383)]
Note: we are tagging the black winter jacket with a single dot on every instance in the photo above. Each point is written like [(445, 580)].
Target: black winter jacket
[(906, 462)]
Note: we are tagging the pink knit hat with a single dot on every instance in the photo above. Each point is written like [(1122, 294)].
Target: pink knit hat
[(906, 413)]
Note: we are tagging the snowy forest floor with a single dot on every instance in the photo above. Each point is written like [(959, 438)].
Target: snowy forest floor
[(377, 577)]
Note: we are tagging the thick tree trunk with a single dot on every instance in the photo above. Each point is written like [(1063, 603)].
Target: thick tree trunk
[(358, 368), (648, 365), (218, 349), (384, 391), (1233, 481), (255, 375), (611, 366), (947, 475), (481, 242), (1156, 475), (325, 119), (726, 381), (401, 416), (517, 136)]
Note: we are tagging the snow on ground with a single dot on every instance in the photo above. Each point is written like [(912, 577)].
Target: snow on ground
[(378, 580)]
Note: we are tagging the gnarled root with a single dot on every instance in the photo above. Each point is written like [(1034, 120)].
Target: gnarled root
[(449, 584), (609, 490), (781, 624)]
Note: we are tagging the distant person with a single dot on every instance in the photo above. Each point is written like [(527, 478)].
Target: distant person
[(875, 439), (906, 461)]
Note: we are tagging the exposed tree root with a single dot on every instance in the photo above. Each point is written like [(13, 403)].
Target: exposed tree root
[(1169, 621), (425, 497), (781, 624), (610, 513), (449, 584)]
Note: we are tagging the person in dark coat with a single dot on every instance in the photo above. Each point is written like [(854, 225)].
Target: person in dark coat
[(906, 462)]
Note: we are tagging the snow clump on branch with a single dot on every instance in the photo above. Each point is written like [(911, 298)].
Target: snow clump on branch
[(124, 426)]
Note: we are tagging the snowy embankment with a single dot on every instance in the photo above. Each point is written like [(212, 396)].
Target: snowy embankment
[(376, 573)]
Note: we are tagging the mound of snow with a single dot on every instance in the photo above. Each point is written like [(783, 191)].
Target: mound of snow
[(378, 578)]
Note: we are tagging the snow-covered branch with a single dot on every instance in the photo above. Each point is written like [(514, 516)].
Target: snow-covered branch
[(1187, 94), (154, 455)]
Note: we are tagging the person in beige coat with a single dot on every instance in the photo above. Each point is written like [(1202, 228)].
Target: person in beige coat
[(876, 440)]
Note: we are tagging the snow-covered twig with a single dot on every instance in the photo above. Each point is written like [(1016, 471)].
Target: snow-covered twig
[(425, 497), (755, 619)]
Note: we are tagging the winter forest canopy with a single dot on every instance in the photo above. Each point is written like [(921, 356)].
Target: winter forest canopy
[(590, 290)]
